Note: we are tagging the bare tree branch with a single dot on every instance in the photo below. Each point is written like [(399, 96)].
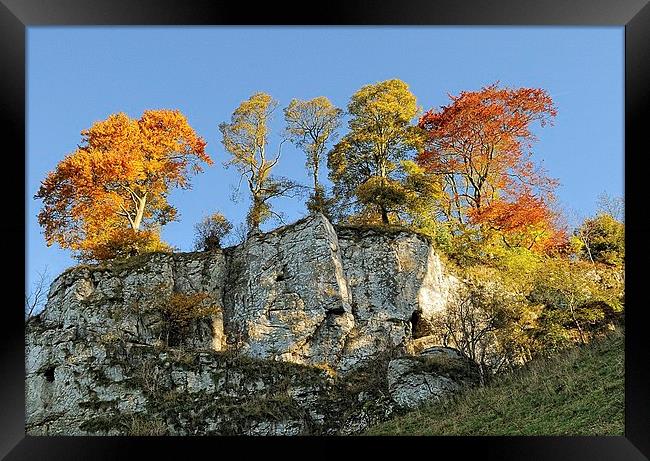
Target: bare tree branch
[(36, 298)]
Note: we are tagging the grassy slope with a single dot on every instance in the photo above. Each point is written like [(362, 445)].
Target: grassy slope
[(579, 392)]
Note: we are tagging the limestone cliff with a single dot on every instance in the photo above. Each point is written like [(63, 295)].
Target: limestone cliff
[(289, 310)]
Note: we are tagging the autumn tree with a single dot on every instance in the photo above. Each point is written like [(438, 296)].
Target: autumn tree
[(527, 221), (311, 125), (108, 198), (365, 164), (480, 144), (246, 139)]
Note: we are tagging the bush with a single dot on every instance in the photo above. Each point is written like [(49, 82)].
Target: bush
[(488, 320), (210, 232), (578, 301), (528, 305), (178, 311), (181, 309)]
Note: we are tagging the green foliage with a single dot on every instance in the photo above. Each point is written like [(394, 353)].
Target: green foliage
[(489, 320), (426, 211), (311, 125), (518, 264), (577, 301), (426, 192), (517, 304), (390, 193), (465, 246), (577, 392), (601, 239), (210, 231), (541, 303), (380, 136)]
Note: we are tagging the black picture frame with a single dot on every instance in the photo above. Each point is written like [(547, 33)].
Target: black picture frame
[(17, 15)]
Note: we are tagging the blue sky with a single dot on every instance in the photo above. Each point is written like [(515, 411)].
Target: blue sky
[(79, 75)]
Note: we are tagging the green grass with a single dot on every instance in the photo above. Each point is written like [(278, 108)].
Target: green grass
[(578, 392)]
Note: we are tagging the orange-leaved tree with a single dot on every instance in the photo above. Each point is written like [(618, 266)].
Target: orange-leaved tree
[(480, 145), (108, 198), (526, 222)]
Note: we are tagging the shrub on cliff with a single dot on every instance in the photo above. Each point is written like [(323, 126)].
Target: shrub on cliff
[(210, 232)]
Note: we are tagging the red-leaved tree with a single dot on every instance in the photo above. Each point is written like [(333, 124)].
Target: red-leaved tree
[(480, 144)]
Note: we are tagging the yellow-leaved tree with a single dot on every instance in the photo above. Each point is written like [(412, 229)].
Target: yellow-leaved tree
[(310, 125), (246, 139), (365, 164), (108, 198)]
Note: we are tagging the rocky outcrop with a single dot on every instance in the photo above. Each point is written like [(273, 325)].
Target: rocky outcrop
[(95, 386), (315, 295), (287, 295), (302, 304), (432, 376), (396, 281)]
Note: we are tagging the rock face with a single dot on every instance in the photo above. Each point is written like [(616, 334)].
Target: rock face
[(395, 280), (296, 301), (433, 375), (287, 295)]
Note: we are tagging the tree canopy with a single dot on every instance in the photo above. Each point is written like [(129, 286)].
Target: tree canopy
[(246, 139), (311, 125), (365, 163), (109, 197), (601, 239), (479, 146)]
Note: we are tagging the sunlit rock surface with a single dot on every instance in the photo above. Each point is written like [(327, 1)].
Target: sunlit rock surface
[(434, 375), (302, 303)]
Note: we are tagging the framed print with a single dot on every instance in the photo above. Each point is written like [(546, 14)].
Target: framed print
[(379, 224)]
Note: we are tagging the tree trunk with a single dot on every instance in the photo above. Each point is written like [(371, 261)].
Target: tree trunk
[(384, 215), (575, 320), (591, 258), (254, 217), (315, 178), (140, 213)]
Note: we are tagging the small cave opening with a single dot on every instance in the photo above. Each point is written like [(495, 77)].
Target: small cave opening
[(338, 310), (49, 375), (419, 326)]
